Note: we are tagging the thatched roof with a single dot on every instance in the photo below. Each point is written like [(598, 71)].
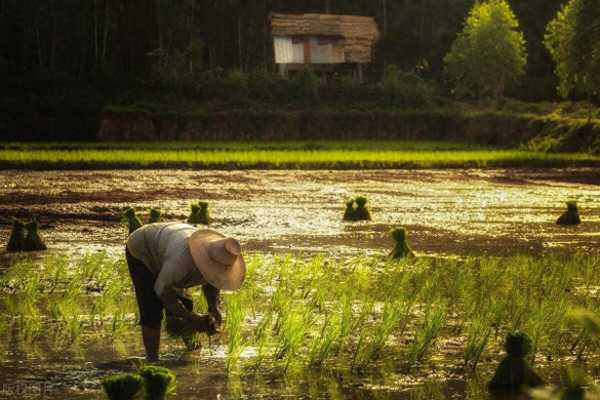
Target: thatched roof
[(359, 34)]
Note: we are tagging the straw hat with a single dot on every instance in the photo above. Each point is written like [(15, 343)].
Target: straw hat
[(218, 258)]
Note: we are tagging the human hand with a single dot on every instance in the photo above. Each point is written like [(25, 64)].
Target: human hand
[(203, 323)]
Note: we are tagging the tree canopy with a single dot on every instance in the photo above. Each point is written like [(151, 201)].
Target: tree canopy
[(573, 40), (489, 53)]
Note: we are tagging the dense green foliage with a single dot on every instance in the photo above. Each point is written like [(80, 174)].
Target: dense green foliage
[(489, 54), (573, 39)]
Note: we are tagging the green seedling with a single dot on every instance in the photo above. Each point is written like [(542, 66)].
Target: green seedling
[(122, 386), (16, 241), (178, 328), (132, 220), (33, 241), (159, 382), (155, 216), (514, 372), (401, 247), (571, 216)]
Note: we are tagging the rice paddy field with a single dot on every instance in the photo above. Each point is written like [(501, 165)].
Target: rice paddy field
[(324, 312), (279, 155)]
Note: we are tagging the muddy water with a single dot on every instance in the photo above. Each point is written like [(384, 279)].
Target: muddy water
[(447, 212), (456, 212)]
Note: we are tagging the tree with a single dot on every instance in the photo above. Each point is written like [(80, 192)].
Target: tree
[(573, 40), (489, 53)]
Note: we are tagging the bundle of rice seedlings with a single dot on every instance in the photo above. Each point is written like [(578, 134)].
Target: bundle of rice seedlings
[(349, 213), (155, 216), (177, 328), (571, 216), (33, 241), (159, 382), (203, 214), (195, 210), (122, 386), (514, 372), (132, 220), (362, 212), (199, 213), (401, 247), (16, 241)]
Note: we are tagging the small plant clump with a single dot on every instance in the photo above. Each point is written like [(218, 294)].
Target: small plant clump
[(571, 216), (356, 210), (159, 382), (33, 241), (401, 247), (132, 220), (199, 213), (514, 373), (177, 328), (155, 216), (122, 386), (16, 241)]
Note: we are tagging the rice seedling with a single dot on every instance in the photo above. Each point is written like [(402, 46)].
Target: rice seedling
[(132, 220), (33, 241), (178, 328), (159, 382), (155, 216), (199, 213), (122, 386), (401, 247), (16, 241), (514, 373), (478, 336), (356, 210), (350, 210), (577, 385), (233, 326), (425, 336), (571, 216)]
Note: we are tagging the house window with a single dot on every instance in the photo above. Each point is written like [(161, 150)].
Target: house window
[(297, 40), (325, 40)]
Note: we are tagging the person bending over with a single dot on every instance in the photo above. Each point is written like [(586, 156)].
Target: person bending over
[(165, 260)]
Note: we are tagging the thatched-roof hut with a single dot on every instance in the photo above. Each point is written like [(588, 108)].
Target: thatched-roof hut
[(322, 39)]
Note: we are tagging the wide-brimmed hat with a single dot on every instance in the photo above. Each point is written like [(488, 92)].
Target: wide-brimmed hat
[(218, 258)]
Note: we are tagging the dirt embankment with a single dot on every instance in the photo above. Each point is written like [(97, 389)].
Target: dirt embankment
[(485, 127)]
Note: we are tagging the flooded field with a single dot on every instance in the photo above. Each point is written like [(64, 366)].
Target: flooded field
[(446, 212), (62, 351)]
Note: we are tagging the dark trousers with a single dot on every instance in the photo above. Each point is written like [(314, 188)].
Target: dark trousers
[(150, 306)]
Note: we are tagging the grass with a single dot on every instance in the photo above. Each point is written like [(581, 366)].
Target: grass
[(278, 155)]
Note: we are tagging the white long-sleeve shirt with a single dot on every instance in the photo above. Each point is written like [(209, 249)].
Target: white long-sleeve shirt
[(163, 248)]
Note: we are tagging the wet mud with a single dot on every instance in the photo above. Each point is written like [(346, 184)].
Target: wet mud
[(453, 212)]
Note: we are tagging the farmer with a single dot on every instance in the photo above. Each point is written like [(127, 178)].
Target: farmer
[(164, 260)]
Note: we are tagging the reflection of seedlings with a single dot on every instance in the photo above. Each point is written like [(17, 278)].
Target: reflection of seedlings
[(401, 248), (155, 216), (132, 220), (178, 328), (122, 386), (571, 216), (514, 373), (159, 382), (33, 241), (16, 241)]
